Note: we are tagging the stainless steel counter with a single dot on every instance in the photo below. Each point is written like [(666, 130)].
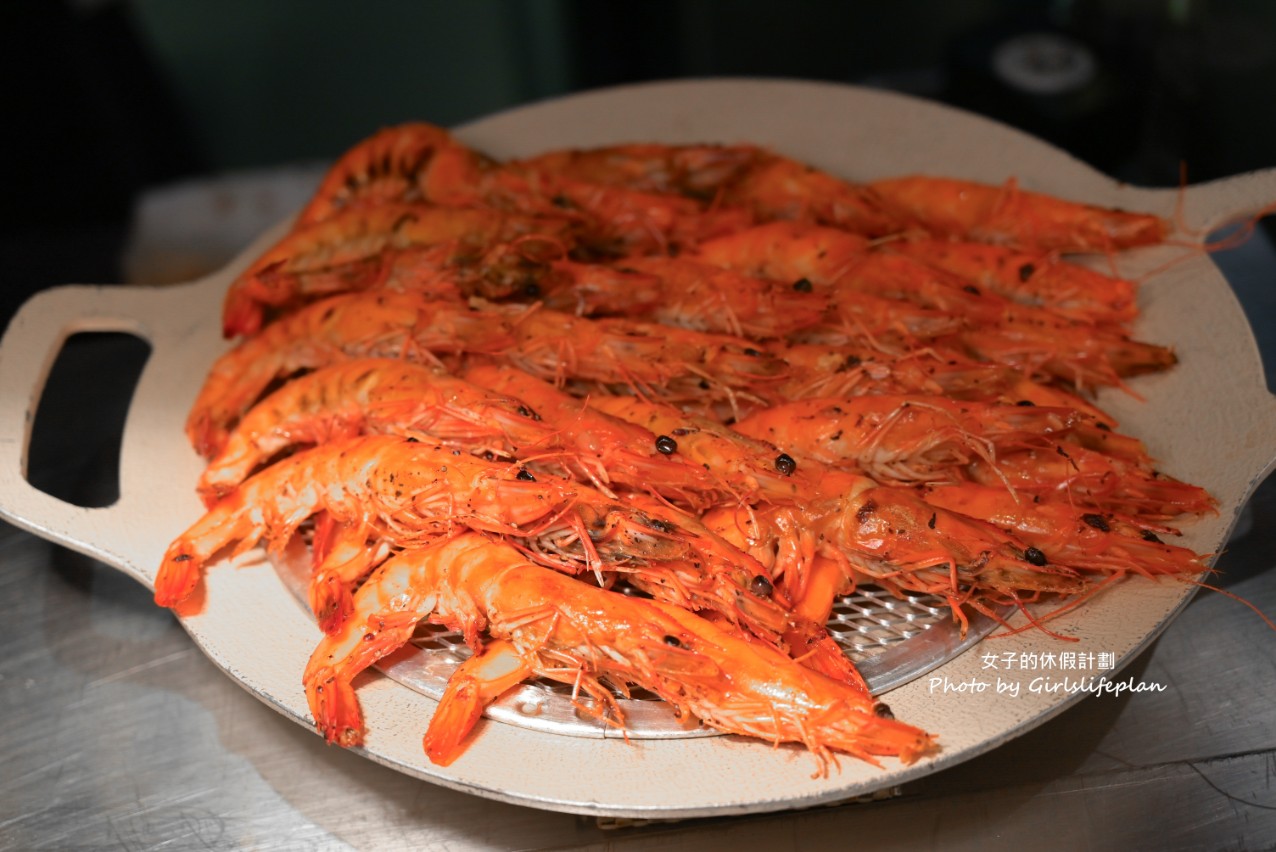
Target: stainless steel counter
[(120, 734)]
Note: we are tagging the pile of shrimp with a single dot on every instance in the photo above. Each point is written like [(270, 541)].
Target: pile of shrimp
[(492, 391)]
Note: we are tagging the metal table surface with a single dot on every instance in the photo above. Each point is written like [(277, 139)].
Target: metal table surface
[(120, 734)]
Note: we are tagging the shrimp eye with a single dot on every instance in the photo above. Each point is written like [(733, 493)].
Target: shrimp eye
[(666, 445), (803, 285), (1034, 556), (525, 474), (1148, 535), (761, 586), (673, 642), (1099, 522), (659, 525), (785, 464)]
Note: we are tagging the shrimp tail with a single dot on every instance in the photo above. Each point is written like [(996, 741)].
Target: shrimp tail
[(330, 690), (458, 712), (183, 564), (335, 708), (178, 576), (475, 684)]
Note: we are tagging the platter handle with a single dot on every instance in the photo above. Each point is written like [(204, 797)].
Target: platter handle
[(28, 350), (1231, 200), (1238, 200)]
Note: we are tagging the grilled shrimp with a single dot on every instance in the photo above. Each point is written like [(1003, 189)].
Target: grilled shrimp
[(892, 537), (1033, 278), (777, 187), (713, 576), (411, 493), (699, 171), (850, 370), (362, 247), (615, 220), (606, 219), (786, 252), (377, 395), (1007, 215), (1032, 338), (890, 325), (701, 297), (406, 163), (353, 324), (769, 185), (1083, 356), (597, 447), (814, 260), (1088, 541), (572, 632), (913, 438), (421, 163), (1095, 480), (896, 538), (645, 357), (536, 269), (749, 470)]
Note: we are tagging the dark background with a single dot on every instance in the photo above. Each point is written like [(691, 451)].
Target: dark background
[(105, 99)]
